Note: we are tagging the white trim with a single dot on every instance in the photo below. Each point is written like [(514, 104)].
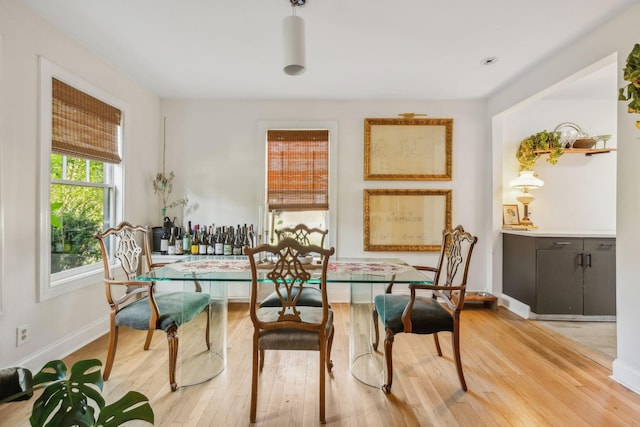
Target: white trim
[(67, 345), (91, 274), (2, 156), (332, 126), (515, 306), (627, 375)]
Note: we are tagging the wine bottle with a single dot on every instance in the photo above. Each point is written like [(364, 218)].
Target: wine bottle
[(194, 241), (228, 241), (179, 239), (202, 241), (211, 241), (171, 248), (186, 240), (164, 241), (219, 242), (237, 242)]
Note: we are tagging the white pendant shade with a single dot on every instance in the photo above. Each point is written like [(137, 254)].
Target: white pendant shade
[(294, 45)]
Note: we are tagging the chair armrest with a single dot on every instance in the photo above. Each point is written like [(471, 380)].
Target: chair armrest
[(454, 302)]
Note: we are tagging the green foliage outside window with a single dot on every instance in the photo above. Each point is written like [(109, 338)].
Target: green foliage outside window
[(77, 211)]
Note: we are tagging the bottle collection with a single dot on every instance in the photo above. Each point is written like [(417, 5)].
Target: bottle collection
[(206, 240)]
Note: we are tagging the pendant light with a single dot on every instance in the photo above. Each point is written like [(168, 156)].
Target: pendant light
[(294, 41)]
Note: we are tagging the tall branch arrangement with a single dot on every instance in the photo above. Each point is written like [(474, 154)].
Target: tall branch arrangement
[(163, 183)]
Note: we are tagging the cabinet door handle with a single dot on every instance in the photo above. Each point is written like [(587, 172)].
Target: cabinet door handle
[(580, 260), (588, 261), (561, 243), (607, 245)]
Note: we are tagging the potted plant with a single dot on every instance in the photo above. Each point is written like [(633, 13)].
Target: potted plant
[(77, 400), (532, 147), (163, 182), (631, 73)]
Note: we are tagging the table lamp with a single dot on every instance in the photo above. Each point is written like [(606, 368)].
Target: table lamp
[(525, 182)]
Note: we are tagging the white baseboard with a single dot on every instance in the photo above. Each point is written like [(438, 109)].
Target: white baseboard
[(626, 375), (515, 306), (66, 345)]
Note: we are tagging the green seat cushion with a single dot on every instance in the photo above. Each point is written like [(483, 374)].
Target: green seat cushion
[(292, 338), (427, 315), (175, 309), (310, 297)]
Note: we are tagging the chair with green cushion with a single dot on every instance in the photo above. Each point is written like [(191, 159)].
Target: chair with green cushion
[(429, 314), (136, 304), (289, 325)]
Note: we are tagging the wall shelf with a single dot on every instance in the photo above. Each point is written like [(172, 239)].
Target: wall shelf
[(585, 151)]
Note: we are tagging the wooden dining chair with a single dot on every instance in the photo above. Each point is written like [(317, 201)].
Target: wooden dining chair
[(438, 312), (303, 234), (137, 304), (310, 295), (289, 325)]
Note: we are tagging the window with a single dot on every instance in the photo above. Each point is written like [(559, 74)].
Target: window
[(298, 177), (81, 174)]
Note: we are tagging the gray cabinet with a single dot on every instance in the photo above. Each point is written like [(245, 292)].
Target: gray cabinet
[(558, 275)]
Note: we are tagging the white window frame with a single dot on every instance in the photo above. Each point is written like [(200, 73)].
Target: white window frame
[(332, 127), (53, 285)]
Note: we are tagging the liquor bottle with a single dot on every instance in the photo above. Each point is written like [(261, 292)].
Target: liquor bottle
[(164, 241), (186, 240), (179, 239), (219, 242), (194, 241), (202, 241), (228, 241), (171, 248)]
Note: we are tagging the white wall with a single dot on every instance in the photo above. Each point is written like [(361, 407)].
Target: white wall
[(217, 154), (62, 324), (617, 36), (579, 192)]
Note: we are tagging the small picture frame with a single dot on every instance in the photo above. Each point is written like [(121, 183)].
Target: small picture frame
[(510, 215)]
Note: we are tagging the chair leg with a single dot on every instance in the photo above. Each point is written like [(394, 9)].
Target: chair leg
[(261, 359), (172, 340), (147, 342), (329, 345), (254, 379), (437, 341), (207, 331), (374, 314), (455, 343), (111, 352), (322, 384), (388, 351)]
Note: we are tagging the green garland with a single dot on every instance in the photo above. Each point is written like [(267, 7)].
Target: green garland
[(532, 147), (632, 75)]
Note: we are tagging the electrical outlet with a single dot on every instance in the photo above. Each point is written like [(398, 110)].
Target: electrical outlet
[(23, 334)]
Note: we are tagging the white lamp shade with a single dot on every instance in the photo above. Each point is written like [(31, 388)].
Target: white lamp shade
[(294, 45), (526, 180)]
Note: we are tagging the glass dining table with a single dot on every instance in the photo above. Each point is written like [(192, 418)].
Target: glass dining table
[(366, 278)]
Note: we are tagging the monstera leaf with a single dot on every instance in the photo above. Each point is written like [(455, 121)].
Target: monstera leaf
[(74, 401)]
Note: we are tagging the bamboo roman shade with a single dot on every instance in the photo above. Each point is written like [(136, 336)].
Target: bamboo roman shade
[(298, 169), (83, 126)]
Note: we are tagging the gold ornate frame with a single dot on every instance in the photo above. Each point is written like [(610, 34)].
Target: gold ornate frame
[(510, 215), (406, 220), (408, 149)]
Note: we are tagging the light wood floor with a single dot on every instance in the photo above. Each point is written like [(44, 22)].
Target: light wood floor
[(518, 373)]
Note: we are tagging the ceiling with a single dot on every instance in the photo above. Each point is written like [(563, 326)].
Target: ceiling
[(356, 49)]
